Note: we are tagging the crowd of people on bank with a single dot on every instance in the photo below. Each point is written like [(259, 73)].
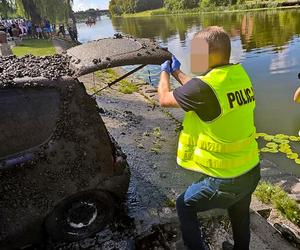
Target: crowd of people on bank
[(25, 28)]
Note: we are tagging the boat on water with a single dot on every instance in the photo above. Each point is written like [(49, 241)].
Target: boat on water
[(90, 21)]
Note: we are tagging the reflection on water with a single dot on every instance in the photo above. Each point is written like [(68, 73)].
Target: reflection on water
[(267, 43)]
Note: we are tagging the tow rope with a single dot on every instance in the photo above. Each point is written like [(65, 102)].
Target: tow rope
[(119, 79)]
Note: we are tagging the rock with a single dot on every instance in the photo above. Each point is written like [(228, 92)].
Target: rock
[(295, 197), (166, 210), (163, 175), (104, 236), (296, 188), (118, 36), (151, 91), (5, 50), (88, 243), (287, 233)]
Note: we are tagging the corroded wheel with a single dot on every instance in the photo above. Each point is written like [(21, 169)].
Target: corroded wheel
[(80, 216)]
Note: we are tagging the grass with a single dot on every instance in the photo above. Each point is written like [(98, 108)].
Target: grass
[(109, 75), (127, 87), (112, 74), (275, 195), (37, 47), (156, 12)]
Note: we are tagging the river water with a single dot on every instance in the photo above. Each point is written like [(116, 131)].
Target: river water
[(267, 43)]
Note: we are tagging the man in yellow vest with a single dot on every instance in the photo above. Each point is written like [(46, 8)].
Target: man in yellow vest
[(217, 140)]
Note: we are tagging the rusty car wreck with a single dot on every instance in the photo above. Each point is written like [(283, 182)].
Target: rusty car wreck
[(61, 172)]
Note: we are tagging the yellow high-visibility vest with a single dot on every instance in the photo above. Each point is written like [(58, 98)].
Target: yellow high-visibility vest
[(225, 147)]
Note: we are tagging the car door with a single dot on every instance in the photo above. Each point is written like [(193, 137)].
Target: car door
[(121, 51)]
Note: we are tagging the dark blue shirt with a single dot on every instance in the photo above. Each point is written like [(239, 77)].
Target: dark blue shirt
[(199, 97)]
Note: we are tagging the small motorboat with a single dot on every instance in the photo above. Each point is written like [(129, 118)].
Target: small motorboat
[(90, 21)]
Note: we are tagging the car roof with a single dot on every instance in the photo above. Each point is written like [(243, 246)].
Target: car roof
[(114, 52)]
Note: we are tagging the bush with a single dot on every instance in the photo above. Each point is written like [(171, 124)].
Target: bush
[(272, 194), (181, 4)]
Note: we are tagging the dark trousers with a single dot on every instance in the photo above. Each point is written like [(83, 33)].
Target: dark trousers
[(208, 193)]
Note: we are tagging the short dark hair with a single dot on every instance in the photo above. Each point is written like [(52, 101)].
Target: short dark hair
[(218, 40)]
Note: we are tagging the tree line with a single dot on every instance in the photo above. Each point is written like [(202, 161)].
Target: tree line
[(119, 7), (36, 10), (191, 4)]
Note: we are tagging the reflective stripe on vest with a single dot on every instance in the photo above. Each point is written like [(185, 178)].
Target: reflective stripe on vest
[(225, 147), (205, 142), (214, 163)]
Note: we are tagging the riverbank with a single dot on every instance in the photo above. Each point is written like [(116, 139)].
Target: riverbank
[(211, 10)]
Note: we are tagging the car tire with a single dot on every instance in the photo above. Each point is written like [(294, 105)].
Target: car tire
[(80, 216)]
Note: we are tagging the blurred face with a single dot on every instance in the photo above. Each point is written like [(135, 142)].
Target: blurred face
[(199, 56)]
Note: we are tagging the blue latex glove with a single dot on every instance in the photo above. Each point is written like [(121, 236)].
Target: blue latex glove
[(166, 66), (175, 64)]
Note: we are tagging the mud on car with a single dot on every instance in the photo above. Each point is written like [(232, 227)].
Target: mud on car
[(61, 174)]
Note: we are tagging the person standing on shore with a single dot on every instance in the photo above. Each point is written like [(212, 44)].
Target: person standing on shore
[(29, 28), (61, 30), (38, 31), (47, 29), (217, 140)]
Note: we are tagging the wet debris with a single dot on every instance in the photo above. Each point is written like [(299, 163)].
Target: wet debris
[(127, 117), (118, 36), (160, 237), (163, 175), (95, 61), (141, 146), (119, 234), (50, 67)]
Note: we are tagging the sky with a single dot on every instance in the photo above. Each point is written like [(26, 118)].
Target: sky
[(88, 4)]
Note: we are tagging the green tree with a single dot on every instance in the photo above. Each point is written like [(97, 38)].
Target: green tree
[(54, 10), (181, 4), (118, 7), (115, 8), (141, 5), (207, 3), (6, 7)]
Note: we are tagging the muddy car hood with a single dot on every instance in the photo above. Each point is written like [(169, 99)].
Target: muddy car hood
[(114, 52)]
